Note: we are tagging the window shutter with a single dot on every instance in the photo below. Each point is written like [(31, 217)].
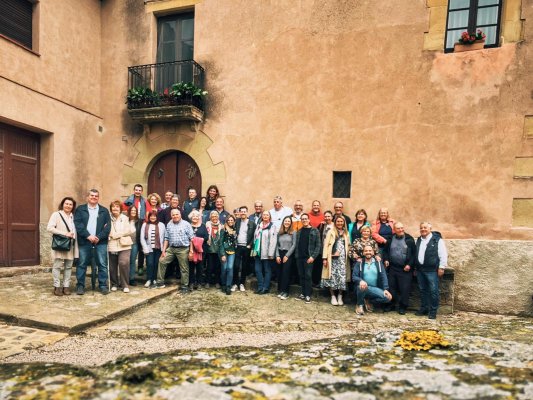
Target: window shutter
[(16, 21)]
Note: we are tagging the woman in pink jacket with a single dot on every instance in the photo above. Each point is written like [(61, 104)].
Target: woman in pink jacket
[(382, 229)]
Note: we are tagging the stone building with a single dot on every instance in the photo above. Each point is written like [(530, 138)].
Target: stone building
[(363, 101)]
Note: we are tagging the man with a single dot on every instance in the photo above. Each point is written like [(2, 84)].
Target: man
[(192, 203), (371, 282), (177, 245), (279, 212), (93, 225), (245, 229), (258, 207), (297, 215), (164, 216), (399, 259), (307, 250), (430, 262), (339, 210), (168, 197), (136, 200), (219, 207), (316, 216)]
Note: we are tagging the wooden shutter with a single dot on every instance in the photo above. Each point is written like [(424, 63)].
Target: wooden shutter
[(16, 21)]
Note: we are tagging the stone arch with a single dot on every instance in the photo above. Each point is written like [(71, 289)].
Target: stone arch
[(155, 143)]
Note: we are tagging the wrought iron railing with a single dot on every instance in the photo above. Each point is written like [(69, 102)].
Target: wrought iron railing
[(151, 85)]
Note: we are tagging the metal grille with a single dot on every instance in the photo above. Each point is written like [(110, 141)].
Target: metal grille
[(342, 184)]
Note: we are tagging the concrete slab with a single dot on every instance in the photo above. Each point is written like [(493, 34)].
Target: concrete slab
[(17, 339), (27, 300)]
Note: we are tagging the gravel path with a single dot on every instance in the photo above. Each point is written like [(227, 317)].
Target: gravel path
[(92, 351)]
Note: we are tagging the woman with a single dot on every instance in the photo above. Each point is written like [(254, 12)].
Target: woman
[(62, 223), (152, 236), (211, 196), (226, 251), (136, 224), (263, 251), (324, 227), (285, 247), (199, 244), (204, 214), (153, 202), (213, 261), (361, 218), (336, 266), (382, 229), (119, 248), (356, 250)]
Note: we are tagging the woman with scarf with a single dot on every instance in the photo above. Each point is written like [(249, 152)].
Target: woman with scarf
[(152, 235), (263, 251), (119, 248), (199, 246), (336, 265), (213, 261), (226, 251)]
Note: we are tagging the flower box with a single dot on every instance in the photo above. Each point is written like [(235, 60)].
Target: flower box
[(460, 47)]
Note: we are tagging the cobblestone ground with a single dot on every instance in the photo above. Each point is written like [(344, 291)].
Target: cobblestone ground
[(208, 345)]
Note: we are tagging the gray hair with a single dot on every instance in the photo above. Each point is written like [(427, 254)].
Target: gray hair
[(194, 213)]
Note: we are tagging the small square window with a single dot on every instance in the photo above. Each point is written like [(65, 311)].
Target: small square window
[(342, 184)]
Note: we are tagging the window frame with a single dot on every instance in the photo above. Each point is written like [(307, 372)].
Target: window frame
[(20, 30), (343, 175), (472, 18)]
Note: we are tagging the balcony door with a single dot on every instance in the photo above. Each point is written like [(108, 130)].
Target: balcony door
[(175, 42), (175, 171)]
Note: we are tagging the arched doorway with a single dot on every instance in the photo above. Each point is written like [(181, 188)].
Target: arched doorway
[(175, 171)]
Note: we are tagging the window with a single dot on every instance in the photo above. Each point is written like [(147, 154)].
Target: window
[(16, 21), (342, 184), (175, 42), (471, 15)]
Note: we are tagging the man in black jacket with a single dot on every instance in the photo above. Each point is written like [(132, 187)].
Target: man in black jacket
[(245, 229), (399, 259), (93, 225)]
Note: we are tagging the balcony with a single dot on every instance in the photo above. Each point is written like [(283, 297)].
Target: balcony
[(166, 92)]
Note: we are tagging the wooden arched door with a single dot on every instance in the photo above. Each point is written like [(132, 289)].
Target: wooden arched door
[(175, 171)]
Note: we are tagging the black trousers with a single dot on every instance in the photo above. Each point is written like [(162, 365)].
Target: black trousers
[(285, 273), (212, 274), (317, 270), (196, 273), (399, 285), (241, 265), (306, 276)]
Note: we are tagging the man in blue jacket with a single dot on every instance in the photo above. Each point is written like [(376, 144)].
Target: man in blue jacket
[(370, 280), (93, 225)]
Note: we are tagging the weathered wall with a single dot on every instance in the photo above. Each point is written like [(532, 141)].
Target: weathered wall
[(493, 276)]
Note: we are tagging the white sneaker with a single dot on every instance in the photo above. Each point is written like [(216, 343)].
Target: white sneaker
[(147, 284), (334, 301), (234, 288), (241, 288), (126, 290), (114, 289), (339, 300)]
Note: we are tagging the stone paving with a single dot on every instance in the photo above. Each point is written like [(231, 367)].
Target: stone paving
[(245, 346)]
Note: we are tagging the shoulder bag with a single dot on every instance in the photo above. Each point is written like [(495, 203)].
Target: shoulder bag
[(60, 242)]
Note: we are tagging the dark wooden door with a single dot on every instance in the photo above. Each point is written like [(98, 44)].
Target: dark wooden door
[(176, 172), (19, 197)]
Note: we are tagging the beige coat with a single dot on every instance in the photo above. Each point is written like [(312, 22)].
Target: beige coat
[(120, 227), (329, 241), (57, 226)]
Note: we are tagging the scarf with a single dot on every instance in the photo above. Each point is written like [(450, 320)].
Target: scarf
[(157, 244)]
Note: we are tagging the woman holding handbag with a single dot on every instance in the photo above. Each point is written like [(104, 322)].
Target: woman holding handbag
[(119, 248), (64, 246)]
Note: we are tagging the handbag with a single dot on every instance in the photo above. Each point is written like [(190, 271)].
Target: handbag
[(60, 242), (125, 241)]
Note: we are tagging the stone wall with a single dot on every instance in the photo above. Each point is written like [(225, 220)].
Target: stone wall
[(493, 276)]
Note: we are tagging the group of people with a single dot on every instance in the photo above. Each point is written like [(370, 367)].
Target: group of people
[(212, 247)]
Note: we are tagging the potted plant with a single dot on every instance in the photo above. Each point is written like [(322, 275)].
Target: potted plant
[(187, 93), (470, 41), (142, 97)]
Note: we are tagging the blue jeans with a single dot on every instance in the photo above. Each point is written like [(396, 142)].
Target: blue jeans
[(133, 261), (226, 271), (263, 279), (428, 283), (152, 261), (372, 293), (99, 252)]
